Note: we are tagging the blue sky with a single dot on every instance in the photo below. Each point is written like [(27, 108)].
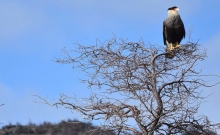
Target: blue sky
[(33, 32)]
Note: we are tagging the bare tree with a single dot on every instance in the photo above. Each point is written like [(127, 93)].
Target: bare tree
[(137, 89)]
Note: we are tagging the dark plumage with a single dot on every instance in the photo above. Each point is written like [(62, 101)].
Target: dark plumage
[(173, 29)]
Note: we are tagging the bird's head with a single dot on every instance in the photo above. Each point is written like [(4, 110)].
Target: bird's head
[(173, 11)]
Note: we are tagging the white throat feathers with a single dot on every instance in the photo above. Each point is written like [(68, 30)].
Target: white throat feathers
[(172, 13)]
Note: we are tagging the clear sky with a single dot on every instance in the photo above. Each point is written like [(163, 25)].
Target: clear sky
[(33, 32)]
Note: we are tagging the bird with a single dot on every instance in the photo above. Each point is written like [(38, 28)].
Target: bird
[(173, 29)]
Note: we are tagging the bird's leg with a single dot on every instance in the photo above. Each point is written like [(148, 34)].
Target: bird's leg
[(177, 45), (171, 46)]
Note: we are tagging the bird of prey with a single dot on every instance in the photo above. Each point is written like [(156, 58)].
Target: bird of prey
[(173, 29)]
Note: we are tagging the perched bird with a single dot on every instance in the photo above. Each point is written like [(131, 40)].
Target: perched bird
[(173, 29)]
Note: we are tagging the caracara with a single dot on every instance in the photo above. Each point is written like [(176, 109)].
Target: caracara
[(173, 29)]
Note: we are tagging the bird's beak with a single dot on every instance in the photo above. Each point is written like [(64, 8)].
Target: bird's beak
[(177, 9)]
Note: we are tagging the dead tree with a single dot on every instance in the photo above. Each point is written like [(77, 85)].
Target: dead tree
[(137, 90)]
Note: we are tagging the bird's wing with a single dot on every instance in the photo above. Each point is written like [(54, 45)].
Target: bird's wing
[(179, 27), (164, 36), (183, 29)]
